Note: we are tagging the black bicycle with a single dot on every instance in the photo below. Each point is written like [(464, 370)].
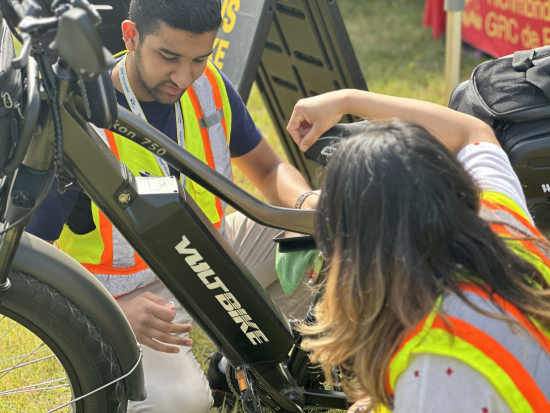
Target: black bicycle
[(81, 348)]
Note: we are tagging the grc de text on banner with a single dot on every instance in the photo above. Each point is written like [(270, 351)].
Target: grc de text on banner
[(502, 27)]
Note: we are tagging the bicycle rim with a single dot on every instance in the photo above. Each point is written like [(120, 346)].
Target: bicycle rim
[(52, 352)]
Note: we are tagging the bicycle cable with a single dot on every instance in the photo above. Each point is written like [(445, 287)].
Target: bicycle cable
[(48, 82), (102, 387)]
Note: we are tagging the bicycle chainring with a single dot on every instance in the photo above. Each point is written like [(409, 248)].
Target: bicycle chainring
[(267, 401)]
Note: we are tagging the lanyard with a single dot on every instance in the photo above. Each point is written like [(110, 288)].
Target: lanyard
[(136, 109)]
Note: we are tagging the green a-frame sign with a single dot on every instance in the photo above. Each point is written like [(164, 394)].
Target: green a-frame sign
[(293, 49)]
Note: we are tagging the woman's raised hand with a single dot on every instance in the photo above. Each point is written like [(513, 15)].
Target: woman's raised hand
[(314, 116)]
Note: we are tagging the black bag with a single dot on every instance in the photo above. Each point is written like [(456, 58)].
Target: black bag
[(10, 96), (512, 95)]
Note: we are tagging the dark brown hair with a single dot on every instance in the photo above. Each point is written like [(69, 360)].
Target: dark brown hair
[(192, 16), (398, 220)]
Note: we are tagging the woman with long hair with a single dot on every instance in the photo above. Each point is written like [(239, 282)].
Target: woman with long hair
[(437, 296)]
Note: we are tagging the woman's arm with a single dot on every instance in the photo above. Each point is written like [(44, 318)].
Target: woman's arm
[(313, 116)]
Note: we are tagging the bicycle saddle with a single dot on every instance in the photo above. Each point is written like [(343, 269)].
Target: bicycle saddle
[(321, 151)]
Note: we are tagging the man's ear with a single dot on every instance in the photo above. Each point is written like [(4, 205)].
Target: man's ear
[(130, 35)]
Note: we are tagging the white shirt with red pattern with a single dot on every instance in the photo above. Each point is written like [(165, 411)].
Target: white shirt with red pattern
[(440, 384)]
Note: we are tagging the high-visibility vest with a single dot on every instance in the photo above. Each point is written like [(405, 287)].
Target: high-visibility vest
[(516, 364), (104, 252)]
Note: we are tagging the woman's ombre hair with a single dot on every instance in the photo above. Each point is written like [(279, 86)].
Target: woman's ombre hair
[(397, 220)]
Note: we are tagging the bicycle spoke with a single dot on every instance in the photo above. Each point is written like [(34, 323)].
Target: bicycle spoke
[(11, 408), (33, 378), (26, 364), (6, 333), (55, 386), (26, 357), (18, 357), (34, 390), (28, 388)]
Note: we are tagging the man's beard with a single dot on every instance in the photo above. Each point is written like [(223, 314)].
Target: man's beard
[(154, 91)]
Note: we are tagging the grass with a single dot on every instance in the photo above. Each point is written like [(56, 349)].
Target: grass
[(36, 364), (397, 57)]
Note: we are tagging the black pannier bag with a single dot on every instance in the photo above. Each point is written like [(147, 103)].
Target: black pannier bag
[(10, 96), (512, 95)]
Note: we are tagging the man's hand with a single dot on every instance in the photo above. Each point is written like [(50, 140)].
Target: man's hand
[(314, 116), (150, 317)]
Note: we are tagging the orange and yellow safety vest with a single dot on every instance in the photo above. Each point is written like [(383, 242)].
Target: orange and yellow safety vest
[(517, 365), (104, 252)]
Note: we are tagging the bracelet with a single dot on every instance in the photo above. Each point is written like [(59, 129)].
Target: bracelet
[(302, 198)]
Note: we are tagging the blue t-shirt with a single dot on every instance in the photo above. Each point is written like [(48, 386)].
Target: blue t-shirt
[(74, 207)]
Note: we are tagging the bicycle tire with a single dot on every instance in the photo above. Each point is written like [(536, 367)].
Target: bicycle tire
[(77, 343)]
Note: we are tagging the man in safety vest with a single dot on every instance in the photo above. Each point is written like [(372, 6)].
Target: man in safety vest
[(166, 79)]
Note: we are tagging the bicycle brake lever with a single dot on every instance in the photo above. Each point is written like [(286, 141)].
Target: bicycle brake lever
[(26, 8), (30, 27), (21, 61)]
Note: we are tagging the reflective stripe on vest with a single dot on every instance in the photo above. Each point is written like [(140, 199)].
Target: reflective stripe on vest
[(521, 236), (104, 252), (516, 363)]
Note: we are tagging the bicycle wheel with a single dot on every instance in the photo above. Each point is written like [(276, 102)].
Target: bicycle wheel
[(51, 352)]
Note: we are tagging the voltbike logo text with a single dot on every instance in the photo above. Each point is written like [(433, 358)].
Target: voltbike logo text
[(226, 299)]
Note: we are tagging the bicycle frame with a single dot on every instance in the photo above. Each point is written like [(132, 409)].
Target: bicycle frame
[(177, 241)]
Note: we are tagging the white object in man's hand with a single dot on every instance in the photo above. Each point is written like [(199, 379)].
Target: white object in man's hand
[(150, 317)]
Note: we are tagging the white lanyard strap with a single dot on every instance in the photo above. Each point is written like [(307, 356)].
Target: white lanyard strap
[(136, 109)]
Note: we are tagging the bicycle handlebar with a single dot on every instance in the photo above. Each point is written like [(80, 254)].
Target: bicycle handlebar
[(271, 216)]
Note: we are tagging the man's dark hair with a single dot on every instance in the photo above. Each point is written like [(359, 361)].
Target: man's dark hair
[(193, 16)]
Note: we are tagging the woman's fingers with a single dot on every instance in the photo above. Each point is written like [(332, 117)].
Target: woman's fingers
[(298, 126), (312, 117), (311, 135)]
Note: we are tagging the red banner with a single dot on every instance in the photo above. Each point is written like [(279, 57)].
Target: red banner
[(502, 27)]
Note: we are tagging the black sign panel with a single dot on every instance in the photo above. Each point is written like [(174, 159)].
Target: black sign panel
[(307, 52), (240, 41), (294, 49)]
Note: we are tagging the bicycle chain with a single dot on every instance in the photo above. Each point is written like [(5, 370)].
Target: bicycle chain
[(237, 395), (230, 381)]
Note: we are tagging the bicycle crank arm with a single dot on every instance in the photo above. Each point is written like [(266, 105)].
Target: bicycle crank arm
[(255, 391)]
